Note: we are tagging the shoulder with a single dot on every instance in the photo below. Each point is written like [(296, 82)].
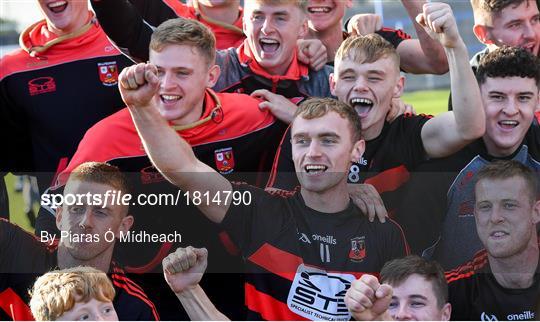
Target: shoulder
[(465, 272), (14, 62)]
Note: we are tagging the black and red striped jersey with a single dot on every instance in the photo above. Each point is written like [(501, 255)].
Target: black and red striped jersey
[(475, 294), (385, 164), (49, 99), (300, 262), (239, 141), (24, 258)]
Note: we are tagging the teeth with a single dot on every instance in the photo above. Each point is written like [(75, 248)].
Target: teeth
[(314, 167), (361, 101), (269, 41), (170, 97), (509, 123), (498, 234), (319, 10), (57, 4)]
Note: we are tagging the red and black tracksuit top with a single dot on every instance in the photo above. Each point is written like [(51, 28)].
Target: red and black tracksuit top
[(24, 258), (48, 100)]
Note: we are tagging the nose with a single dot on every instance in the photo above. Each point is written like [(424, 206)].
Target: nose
[(166, 80), (496, 215), (361, 85), (267, 26), (403, 313), (511, 108), (528, 31), (87, 221), (314, 149)]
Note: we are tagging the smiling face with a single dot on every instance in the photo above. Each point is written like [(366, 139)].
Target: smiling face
[(322, 150), (87, 217), (369, 88), (64, 16), (324, 14), (272, 31), (515, 25), (509, 104), (183, 82), (414, 299), (506, 215)]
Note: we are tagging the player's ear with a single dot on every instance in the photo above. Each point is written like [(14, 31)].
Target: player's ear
[(303, 31), (358, 150), (446, 312), (400, 85), (536, 212), (213, 75), (332, 81), (126, 224), (482, 33)]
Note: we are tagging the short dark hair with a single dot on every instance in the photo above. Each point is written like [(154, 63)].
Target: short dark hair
[(398, 270), (505, 169), (319, 107), (509, 62), (485, 10)]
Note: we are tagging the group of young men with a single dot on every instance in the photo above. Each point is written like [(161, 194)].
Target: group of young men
[(293, 104)]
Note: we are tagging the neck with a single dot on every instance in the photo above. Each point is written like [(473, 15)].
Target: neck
[(331, 201), (331, 39), (516, 272), (65, 31), (373, 131), (496, 152), (193, 116), (228, 13), (101, 262)]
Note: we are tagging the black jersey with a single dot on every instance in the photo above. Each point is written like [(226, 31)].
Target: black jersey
[(475, 294), (48, 100), (24, 258), (301, 261), (385, 164), (439, 201)]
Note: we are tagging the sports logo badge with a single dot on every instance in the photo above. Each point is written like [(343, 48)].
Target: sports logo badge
[(41, 85), (108, 73), (358, 249), (151, 175), (318, 295), (224, 160)]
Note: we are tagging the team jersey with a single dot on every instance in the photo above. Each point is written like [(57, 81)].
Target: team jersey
[(300, 262), (441, 197), (130, 24), (475, 294), (385, 164), (239, 142), (49, 99), (24, 258)]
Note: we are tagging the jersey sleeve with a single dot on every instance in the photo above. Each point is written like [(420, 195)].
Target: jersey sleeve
[(393, 36), (409, 129), (125, 26), (283, 174), (250, 225)]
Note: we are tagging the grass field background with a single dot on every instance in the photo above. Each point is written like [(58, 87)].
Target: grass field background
[(426, 102)]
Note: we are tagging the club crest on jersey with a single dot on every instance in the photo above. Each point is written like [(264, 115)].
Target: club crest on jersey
[(108, 73), (41, 85), (151, 175), (318, 295), (358, 249), (224, 160)]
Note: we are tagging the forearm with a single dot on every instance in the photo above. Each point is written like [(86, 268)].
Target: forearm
[(432, 49), (466, 99), (198, 306)]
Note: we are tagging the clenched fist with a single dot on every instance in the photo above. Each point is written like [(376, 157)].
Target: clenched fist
[(138, 84), (184, 268)]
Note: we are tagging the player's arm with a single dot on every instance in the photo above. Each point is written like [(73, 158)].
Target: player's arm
[(169, 153), (183, 271), (448, 132), (368, 300), (424, 55)]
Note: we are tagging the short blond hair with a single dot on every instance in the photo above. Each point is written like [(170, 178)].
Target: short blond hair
[(318, 107), (301, 4), (187, 32), (366, 49), (57, 292)]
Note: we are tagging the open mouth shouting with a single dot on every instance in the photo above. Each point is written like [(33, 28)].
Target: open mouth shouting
[(269, 45), (315, 169), (362, 106), (57, 6), (507, 125), (169, 99), (319, 10), (499, 234)]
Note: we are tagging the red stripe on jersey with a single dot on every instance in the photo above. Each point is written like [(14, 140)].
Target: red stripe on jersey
[(537, 114), (276, 261), (162, 253), (180, 9), (389, 180), (229, 245), (273, 173), (407, 248), (122, 284), (468, 269), (268, 307), (14, 306)]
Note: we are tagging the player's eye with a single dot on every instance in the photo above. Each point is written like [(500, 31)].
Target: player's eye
[(77, 210), (417, 304), (393, 305), (510, 205), (524, 98), (84, 317)]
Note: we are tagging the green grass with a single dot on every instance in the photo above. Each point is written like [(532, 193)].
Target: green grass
[(426, 102)]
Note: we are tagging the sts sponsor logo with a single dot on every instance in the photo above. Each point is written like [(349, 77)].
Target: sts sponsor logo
[(318, 295)]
